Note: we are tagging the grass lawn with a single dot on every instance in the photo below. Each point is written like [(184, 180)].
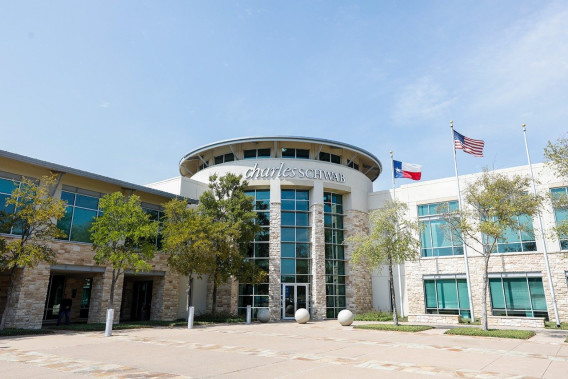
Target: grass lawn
[(377, 316), (394, 328), (552, 325), (11, 332), (499, 333)]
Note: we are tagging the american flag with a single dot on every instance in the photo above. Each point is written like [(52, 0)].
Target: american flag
[(469, 145)]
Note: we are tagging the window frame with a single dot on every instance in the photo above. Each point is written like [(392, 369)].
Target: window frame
[(427, 219)]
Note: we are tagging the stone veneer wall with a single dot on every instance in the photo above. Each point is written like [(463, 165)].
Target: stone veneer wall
[(358, 283), (31, 285), (499, 263), (317, 298), (227, 297), (274, 299), (522, 322), (434, 319)]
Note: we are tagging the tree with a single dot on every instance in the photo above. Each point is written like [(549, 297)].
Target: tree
[(492, 206), (556, 155), (32, 216), (123, 237), (232, 213), (391, 240), (187, 239)]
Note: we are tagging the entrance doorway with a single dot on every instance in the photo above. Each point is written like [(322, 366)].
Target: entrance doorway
[(295, 296)]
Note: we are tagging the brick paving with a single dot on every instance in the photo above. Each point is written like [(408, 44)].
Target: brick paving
[(317, 349)]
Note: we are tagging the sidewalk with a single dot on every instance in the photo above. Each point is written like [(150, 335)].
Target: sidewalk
[(316, 349)]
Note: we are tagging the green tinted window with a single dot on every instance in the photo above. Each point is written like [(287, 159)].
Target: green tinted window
[(519, 296)]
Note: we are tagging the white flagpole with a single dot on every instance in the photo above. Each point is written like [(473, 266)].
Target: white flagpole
[(398, 266), (461, 208), (545, 250)]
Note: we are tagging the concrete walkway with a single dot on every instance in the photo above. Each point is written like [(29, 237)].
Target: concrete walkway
[(286, 349)]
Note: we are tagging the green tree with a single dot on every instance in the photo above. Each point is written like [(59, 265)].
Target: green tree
[(123, 237), (556, 155), (392, 239), (32, 215), (232, 211), (492, 205), (187, 239)]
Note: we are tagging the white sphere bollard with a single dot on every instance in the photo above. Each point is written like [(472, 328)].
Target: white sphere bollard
[(302, 316), (345, 317), (263, 315)]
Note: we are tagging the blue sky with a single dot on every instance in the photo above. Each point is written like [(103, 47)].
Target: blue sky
[(126, 88)]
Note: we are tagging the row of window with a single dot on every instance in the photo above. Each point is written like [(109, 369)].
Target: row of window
[(286, 153), (80, 212), (334, 254), (437, 240), (295, 256), (518, 295), (258, 251)]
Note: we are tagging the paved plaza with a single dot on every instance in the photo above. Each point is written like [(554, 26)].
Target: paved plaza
[(285, 349)]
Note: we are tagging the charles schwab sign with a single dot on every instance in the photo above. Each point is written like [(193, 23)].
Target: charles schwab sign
[(293, 172)]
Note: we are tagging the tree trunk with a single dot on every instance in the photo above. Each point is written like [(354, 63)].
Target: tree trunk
[(484, 323), (393, 295), (112, 284), (214, 300), (8, 298)]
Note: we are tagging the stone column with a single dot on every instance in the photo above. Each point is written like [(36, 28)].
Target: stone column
[(358, 284), (318, 303), (171, 287), (27, 302), (100, 295), (274, 300)]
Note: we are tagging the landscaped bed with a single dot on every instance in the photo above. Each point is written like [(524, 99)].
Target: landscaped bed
[(552, 325), (394, 328), (499, 333)]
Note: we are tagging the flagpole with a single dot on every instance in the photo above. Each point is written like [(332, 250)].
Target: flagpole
[(398, 266), (545, 250), (464, 245)]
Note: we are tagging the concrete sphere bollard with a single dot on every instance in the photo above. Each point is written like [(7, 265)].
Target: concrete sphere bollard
[(263, 315), (302, 316), (345, 317)]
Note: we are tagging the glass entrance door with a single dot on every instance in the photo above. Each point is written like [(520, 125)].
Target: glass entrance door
[(295, 296)]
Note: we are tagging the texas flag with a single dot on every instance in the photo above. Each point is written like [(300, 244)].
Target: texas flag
[(407, 170)]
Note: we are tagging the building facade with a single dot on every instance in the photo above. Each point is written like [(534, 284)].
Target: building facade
[(37, 292), (309, 195), (519, 290)]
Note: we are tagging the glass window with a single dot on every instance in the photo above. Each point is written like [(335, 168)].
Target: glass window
[(263, 153), (7, 186), (295, 153), (250, 154), (446, 296), (302, 154), (353, 165), (334, 253), (328, 157), (435, 237), (259, 251), (518, 240), (80, 213), (295, 236), (522, 295)]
